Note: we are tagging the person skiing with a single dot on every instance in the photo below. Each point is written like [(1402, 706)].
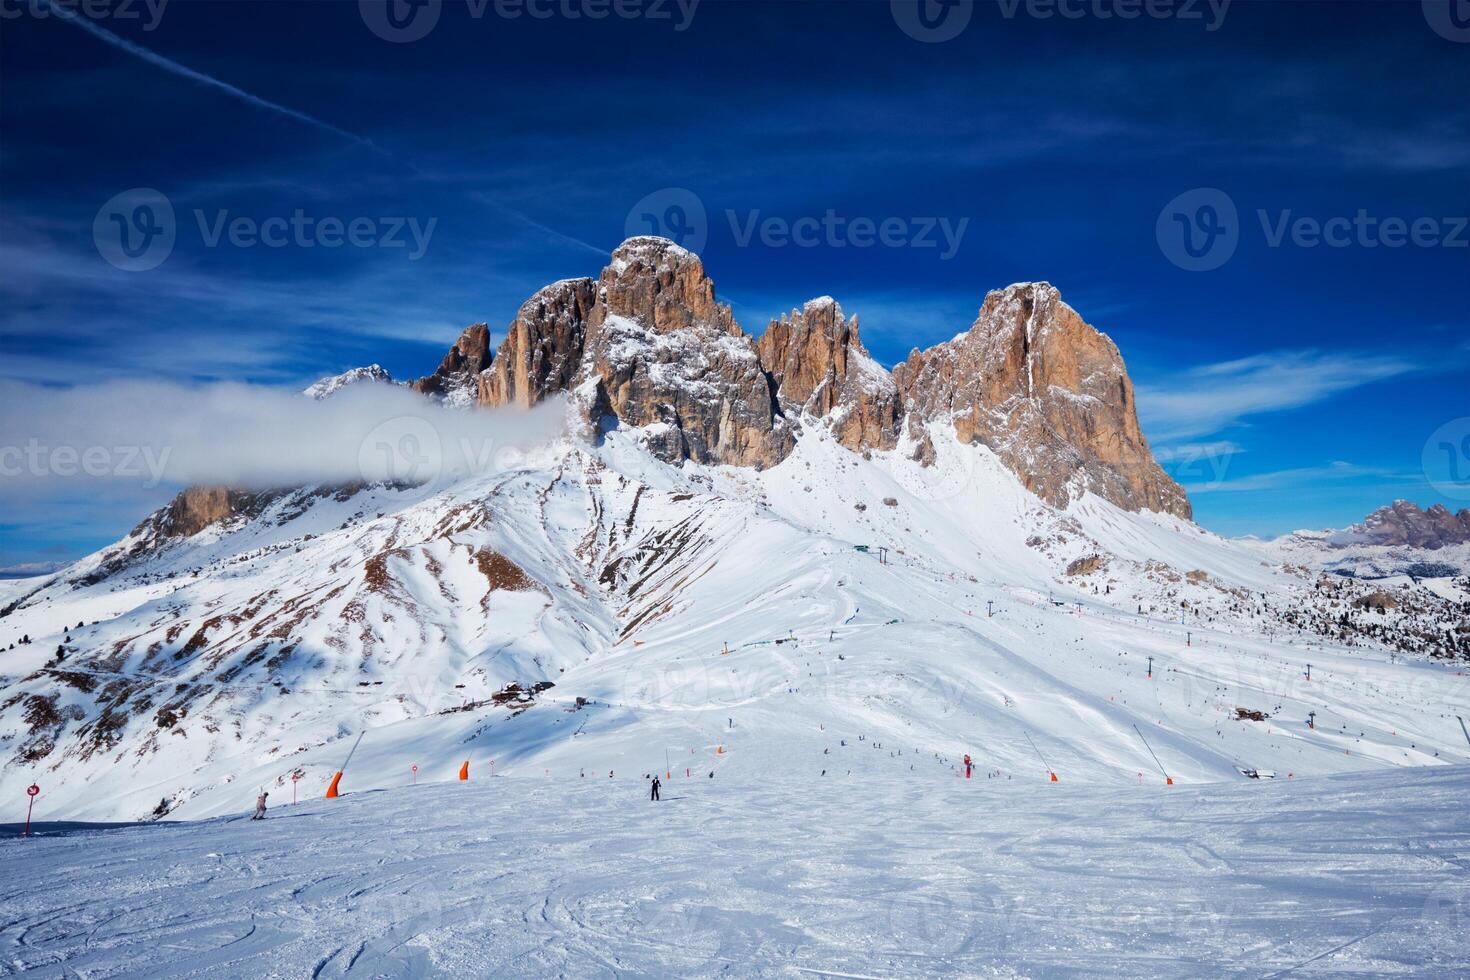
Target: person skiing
[(655, 789), (260, 806)]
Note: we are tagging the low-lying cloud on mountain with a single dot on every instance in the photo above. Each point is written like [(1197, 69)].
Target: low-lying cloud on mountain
[(154, 433)]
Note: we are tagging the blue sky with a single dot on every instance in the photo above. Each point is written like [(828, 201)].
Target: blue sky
[(1297, 383)]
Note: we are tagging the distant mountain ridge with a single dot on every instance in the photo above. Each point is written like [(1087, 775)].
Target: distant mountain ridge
[(1399, 539), (1404, 523)]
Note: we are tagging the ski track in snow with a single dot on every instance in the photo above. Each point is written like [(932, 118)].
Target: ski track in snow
[(769, 874)]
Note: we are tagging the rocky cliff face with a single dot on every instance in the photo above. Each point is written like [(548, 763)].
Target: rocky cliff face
[(1048, 394), (648, 344), (196, 508), (1404, 524), (661, 353), (821, 368), (457, 379), (542, 351)]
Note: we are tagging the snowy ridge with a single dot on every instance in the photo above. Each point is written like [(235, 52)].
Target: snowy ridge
[(327, 387), (606, 586)]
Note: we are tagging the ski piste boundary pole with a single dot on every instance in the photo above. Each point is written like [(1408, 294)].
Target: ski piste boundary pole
[(1049, 770), (1168, 781), (332, 789)]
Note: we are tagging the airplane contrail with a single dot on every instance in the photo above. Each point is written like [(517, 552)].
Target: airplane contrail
[(521, 216), (184, 71)]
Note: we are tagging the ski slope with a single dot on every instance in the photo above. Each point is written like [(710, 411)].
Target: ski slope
[(776, 872), (694, 614)]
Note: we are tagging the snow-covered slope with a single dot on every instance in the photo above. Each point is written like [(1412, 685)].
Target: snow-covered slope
[(891, 871), (741, 619)]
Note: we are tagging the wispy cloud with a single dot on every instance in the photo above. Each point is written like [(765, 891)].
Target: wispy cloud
[(1307, 476), (184, 71), (526, 219), (1207, 399)]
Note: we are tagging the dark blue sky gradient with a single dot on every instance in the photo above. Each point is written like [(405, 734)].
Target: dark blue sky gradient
[(1060, 140)]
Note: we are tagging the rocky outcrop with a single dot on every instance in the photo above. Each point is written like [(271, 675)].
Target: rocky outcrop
[(1048, 394), (1404, 524), (663, 355), (821, 368), (457, 379), (196, 508), (648, 345), (542, 351)]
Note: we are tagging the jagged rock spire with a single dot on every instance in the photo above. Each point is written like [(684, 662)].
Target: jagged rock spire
[(649, 344)]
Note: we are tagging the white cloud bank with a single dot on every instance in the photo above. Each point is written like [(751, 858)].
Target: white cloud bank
[(151, 434)]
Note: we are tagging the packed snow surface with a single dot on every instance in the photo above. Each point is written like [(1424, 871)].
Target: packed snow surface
[(770, 870)]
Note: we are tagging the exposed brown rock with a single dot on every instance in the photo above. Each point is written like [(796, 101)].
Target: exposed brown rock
[(649, 345), (503, 574), (457, 377), (1086, 565), (1377, 600), (1048, 394), (821, 368), (662, 353), (196, 508), (542, 351)]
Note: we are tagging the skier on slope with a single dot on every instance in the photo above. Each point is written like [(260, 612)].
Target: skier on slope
[(654, 796), (260, 806)]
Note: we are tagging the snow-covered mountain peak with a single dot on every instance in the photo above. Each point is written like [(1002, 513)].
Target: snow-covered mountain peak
[(327, 387)]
